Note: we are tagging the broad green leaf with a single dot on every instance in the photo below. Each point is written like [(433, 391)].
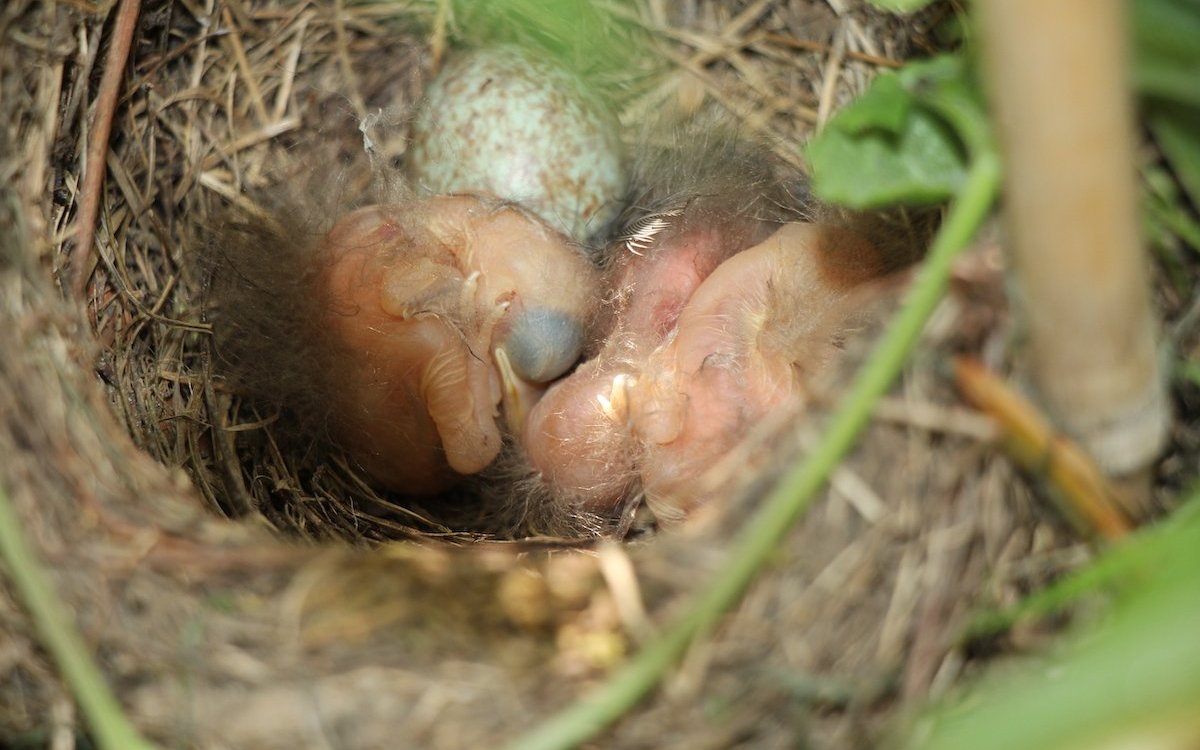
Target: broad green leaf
[(904, 141), (946, 86), (885, 105), (922, 164)]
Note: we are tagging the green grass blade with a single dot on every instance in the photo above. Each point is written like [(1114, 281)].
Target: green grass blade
[(110, 728)]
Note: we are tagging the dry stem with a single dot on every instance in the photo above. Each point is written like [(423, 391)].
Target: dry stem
[(1057, 75), (106, 104)]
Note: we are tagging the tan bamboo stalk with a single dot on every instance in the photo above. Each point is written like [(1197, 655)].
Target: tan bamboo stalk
[(1057, 77)]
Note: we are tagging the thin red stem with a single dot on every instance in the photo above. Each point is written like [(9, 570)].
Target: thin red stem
[(97, 148)]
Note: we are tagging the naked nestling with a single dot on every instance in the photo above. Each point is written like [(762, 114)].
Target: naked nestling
[(463, 340)]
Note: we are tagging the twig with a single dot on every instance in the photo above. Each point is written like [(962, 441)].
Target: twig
[(833, 69), (111, 728), (1037, 447), (824, 49), (288, 79), (757, 541), (94, 168), (353, 95), (239, 54)]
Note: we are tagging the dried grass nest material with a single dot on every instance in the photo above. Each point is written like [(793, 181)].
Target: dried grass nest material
[(128, 459), (231, 117)]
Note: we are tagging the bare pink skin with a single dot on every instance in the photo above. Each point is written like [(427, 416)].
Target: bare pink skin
[(421, 302), (577, 435), (706, 342), (706, 334)]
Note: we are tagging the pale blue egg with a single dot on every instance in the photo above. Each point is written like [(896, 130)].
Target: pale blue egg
[(500, 121)]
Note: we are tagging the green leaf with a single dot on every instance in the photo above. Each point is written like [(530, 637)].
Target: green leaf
[(1167, 44), (1188, 371), (1165, 212), (946, 85), (580, 34), (904, 141), (1177, 130), (1167, 73), (886, 105), (1131, 679), (920, 165)]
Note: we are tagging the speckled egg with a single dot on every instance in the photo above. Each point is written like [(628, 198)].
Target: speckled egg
[(500, 121)]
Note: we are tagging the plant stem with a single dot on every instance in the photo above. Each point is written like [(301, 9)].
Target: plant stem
[(758, 540), (97, 147), (1057, 75), (111, 729)]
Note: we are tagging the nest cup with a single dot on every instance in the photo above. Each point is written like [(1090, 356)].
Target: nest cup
[(146, 479), (325, 132), (296, 130)]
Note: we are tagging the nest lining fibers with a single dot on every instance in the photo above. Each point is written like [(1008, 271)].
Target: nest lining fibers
[(199, 552)]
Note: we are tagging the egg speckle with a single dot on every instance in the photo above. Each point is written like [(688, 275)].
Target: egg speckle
[(500, 121)]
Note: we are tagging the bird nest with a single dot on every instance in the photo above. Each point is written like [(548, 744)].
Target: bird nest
[(242, 591)]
